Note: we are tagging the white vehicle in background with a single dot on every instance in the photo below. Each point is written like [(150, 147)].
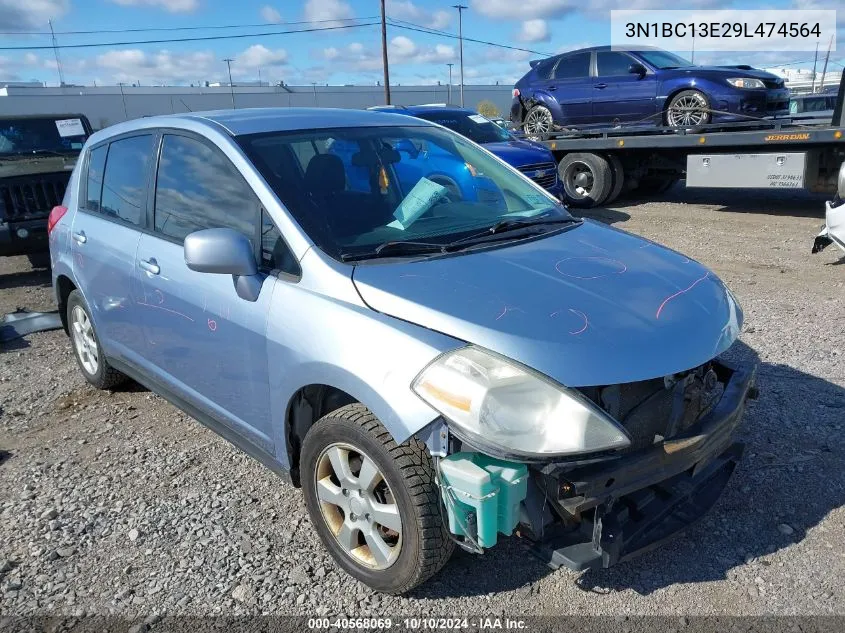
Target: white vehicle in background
[(833, 231)]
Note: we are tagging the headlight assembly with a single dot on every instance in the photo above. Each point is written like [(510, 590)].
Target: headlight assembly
[(496, 403), (745, 82)]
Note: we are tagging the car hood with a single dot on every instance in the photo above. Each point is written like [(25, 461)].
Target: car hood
[(518, 153), (725, 71), (589, 306)]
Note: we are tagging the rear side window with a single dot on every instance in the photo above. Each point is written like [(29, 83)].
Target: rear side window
[(543, 69), (94, 183), (198, 188), (573, 66), (125, 178), (609, 64)]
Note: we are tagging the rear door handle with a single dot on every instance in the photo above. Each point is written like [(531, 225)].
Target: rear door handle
[(80, 237), (600, 86), (150, 265)]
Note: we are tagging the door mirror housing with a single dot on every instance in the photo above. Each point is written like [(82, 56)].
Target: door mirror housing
[(637, 69), (224, 252), (407, 146)]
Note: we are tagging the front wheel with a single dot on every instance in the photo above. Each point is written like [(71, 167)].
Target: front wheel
[(375, 504), (688, 108)]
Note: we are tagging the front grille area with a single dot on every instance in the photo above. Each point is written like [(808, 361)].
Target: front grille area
[(27, 197), (773, 83), (654, 410), (548, 177)]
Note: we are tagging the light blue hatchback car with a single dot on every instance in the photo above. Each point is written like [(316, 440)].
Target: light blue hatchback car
[(432, 366)]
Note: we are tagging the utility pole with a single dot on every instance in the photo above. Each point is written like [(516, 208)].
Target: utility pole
[(56, 53), (229, 61), (384, 55), (123, 98), (815, 61), (450, 83), (824, 68), (460, 9)]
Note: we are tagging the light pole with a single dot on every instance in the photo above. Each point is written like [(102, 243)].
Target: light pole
[(229, 61), (460, 9), (384, 55), (450, 83)]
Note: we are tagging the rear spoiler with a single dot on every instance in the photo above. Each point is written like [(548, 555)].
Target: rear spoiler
[(533, 63)]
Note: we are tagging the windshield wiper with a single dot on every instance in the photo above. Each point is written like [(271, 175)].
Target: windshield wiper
[(395, 247), (496, 231)]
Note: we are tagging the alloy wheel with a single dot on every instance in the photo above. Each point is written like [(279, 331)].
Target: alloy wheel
[(538, 121), (689, 109), (84, 342), (358, 506)]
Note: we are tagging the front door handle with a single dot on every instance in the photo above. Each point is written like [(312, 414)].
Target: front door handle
[(552, 88), (600, 86), (150, 265), (79, 236)]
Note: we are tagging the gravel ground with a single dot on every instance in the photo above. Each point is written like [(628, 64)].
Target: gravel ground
[(117, 503)]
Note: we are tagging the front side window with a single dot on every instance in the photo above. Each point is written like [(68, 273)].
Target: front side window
[(125, 178), (573, 66), (198, 188), (366, 186), (94, 186), (474, 126)]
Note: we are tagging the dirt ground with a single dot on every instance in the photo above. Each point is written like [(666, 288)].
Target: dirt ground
[(118, 503)]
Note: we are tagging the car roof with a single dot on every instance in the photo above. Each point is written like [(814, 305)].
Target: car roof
[(424, 108), (262, 120)]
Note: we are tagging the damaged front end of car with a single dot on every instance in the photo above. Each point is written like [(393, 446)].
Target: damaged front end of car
[(667, 466), (833, 230)]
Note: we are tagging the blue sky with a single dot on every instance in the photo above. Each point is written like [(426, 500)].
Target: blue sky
[(338, 56)]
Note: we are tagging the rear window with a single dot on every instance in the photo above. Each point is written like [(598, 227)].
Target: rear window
[(42, 135), (124, 182), (573, 66)]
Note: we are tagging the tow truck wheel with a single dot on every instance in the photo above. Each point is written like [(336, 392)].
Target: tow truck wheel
[(587, 180), (688, 108), (374, 503), (618, 174)]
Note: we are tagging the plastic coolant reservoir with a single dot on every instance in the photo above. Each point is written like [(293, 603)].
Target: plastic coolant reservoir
[(482, 491)]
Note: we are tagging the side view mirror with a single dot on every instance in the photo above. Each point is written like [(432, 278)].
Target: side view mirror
[(407, 146), (637, 69), (224, 252)]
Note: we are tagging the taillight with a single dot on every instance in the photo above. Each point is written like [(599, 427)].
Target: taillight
[(55, 215), (515, 92)]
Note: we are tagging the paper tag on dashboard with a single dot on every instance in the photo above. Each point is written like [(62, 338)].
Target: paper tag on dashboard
[(419, 200), (70, 127), (478, 118)]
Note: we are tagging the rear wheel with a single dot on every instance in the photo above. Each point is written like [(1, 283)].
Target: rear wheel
[(86, 346), (688, 108), (586, 179), (618, 174), (375, 504), (539, 120)]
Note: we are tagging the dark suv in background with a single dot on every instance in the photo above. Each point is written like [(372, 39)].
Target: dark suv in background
[(599, 86), (37, 156)]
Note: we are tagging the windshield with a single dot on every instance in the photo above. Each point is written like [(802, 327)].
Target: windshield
[(354, 189), (25, 136), (474, 126), (663, 59)]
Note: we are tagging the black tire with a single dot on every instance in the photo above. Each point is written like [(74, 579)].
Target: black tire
[(586, 179), (408, 472), (538, 121), (686, 99), (105, 376), (618, 174)]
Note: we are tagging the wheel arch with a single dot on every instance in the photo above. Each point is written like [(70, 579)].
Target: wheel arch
[(64, 286), (544, 99)]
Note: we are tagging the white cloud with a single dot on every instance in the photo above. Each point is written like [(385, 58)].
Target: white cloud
[(171, 6), (21, 15), (257, 56), (165, 67), (330, 11), (402, 46), (821, 4), (536, 30), (531, 9), (407, 10), (269, 14), (402, 51)]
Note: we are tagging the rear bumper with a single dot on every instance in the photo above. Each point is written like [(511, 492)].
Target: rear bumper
[(833, 231), (633, 504), (24, 237)]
